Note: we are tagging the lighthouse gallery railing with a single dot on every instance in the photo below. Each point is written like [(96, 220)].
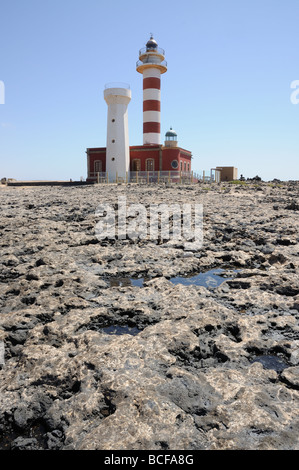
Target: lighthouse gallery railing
[(148, 177)]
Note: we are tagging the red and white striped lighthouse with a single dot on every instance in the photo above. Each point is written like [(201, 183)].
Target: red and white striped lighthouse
[(151, 64)]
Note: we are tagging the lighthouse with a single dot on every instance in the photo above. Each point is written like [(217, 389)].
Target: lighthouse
[(151, 64), (117, 98), (153, 161)]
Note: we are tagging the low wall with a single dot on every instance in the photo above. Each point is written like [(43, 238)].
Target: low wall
[(49, 183)]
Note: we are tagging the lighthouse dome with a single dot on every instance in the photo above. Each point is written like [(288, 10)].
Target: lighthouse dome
[(151, 43), (171, 134)]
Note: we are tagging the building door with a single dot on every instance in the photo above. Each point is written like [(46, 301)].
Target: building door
[(136, 165), (98, 166), (150, 164)]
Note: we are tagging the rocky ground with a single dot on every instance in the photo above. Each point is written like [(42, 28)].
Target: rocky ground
[(104, 351)]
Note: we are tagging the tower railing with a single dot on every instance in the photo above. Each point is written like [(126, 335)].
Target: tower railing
[(147, 177), (117, 85), (149, 60), (159, 50)]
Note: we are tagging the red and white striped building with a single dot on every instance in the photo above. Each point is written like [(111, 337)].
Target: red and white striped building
[(151, 64), (152, 155)]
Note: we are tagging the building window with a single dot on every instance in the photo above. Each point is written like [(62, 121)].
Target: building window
[(174, 164), (113, 141), (98, 166), (184, 166), (136, 165), (181, 166), (188, 166), (150, 164)]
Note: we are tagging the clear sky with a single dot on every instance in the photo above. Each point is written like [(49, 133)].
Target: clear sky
[(227, 91)]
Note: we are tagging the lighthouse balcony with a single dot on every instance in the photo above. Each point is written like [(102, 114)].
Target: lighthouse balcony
[(148, 62), (151, 60), (157, 50), (117, 85)]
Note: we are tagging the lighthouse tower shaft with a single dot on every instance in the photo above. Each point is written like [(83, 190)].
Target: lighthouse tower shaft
[(151, 64), (117, 149)]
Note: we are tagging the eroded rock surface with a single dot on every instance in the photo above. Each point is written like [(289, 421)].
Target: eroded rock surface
[(104, 351)]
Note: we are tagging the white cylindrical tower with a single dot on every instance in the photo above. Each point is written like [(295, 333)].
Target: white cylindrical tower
[(117, 148), (151, 64)]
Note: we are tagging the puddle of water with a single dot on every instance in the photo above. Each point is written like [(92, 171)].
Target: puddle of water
[(120, 282), (121, 330), (126, 282), (210, 279), (137, 282), (271, 362)]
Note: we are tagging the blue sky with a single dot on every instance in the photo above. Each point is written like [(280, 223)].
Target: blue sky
[(226, 92)]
